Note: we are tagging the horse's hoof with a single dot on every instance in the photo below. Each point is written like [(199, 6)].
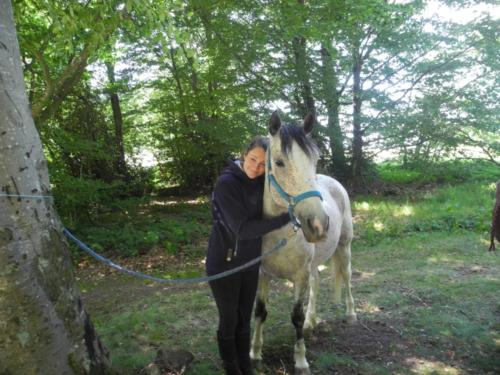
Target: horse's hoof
[(351, 319), (308, 327), (302, 371)]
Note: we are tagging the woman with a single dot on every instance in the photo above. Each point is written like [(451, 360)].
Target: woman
[(235, 239)]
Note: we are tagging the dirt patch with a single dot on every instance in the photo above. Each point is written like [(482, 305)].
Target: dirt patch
[(472, 270), (348, 345), (106, 289), (373, 340)]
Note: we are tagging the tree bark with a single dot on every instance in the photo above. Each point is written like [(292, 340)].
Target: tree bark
[(306, 103), (304, 96), (182, 99), (332, 101), (44, 328), (57, 90), (118, 121), (357, 141)]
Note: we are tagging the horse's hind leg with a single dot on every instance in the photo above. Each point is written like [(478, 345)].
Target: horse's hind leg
[(342, 273), (299, 356), (311, 318), (260, 317)]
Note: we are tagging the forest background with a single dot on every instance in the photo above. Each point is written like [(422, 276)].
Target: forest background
[(137, 97), (140, 103)]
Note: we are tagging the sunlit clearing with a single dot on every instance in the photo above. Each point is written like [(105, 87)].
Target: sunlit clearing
[(363, 206), (378, 226), (322, 267), (403, 211), (484, 242), (369, 308), (172, 202), (362, 275), (289, 284), (441, 259), (424, 366)]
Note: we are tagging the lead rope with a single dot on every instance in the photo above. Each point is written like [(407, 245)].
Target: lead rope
[(280, 244)]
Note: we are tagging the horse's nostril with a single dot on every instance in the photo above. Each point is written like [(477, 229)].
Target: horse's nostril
[(314, 226), (310, 224)]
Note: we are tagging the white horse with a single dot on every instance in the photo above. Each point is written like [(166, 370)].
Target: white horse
[(322, 209)]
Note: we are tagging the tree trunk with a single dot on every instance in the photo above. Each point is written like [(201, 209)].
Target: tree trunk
[(118, 120), (182, 99), (357, 141), (44, 328), (199, 107), (57, 89), (303, 95), (306, 103), (331, 96)]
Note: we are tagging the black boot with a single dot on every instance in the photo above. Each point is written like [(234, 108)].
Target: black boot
[(243, 348), (229, 356)]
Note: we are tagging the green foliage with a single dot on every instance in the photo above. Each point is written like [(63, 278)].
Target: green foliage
[(393, 173), (126, 241), (190, 94), (77, 198), (133, 227), (194, 158), (80, 199)]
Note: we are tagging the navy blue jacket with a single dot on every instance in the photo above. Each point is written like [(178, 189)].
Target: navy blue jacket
[(237, 217)]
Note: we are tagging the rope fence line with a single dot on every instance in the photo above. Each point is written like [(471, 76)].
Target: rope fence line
[(140, 275), (27, 196)]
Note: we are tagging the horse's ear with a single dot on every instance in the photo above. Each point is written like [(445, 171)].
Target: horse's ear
[(309, 121), (274, 123)]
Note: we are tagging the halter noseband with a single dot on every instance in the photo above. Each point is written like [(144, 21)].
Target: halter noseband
[(292, 200)]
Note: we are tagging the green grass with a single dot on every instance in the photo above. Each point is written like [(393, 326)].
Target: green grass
[(430, 293), (421, 267), (173, 320), (463, 207), (444, 172), (443, 289)]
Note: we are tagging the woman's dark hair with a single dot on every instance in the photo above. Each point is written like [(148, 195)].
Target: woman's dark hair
[(258, 141)]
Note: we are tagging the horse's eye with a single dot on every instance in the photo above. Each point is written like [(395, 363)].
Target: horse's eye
[(280, 163)]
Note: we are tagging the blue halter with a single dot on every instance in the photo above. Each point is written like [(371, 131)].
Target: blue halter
[(292, 200)]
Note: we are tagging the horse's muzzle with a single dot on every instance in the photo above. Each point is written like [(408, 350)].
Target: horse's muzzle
[(315, 229)]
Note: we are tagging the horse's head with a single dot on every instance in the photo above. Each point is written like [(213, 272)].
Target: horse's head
[(291, 171)]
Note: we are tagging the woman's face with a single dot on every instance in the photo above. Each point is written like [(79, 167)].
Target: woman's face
[(254, 162)]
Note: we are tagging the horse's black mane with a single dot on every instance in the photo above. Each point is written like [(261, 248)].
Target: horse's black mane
[(289, 133)]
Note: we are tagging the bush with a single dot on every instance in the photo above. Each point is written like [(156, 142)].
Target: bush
[(83, 199), (394, 174), (131, 228)]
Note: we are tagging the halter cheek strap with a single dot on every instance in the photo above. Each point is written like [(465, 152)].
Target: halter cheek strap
[(292, 200)]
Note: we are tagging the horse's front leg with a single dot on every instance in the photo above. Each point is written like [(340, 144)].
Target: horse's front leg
[(299, 356), (311, 318), (260, 317)]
